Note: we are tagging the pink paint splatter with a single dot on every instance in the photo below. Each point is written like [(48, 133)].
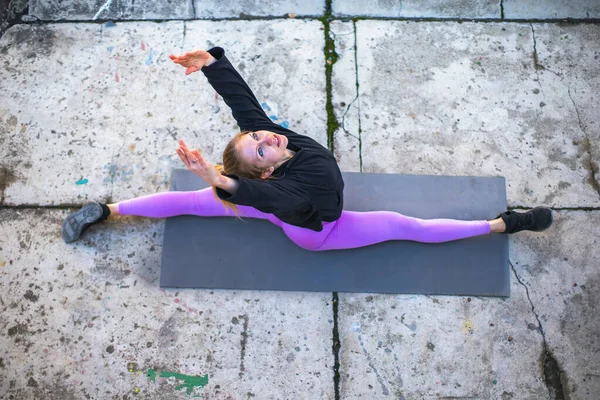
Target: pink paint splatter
[(177, 301), (143, 45), (117, 78)]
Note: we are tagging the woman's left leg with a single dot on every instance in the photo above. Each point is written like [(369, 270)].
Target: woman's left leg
[(359, 229)]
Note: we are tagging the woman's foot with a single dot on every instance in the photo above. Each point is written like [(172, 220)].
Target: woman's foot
[(76, 223), (537, 220)]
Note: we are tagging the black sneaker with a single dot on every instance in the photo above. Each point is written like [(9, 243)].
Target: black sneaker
[(537, 220), (78, 222)]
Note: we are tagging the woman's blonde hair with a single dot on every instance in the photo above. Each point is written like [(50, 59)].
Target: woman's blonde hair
[(234, 165)]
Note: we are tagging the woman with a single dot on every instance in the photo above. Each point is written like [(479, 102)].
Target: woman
[(270, 172)]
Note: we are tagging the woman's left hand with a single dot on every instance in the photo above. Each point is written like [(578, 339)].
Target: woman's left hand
[(194, 161)]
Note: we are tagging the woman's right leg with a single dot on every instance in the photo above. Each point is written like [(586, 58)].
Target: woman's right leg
[(160, 205), (169, 204)]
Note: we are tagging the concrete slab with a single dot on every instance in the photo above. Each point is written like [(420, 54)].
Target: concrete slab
[(108, 129), (561, 272), (550, 9), (418, 9), (428, 347), (570, 54), (465, 98), (56, 10), (276, 8), (89, 320)]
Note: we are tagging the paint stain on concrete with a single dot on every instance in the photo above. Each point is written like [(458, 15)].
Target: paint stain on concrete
[(29, 295), (468, 327), (149, 57), (7, 178), (190, 382), (35, 36), (20, 329), (83, 181), (412, 326), (117, 173)]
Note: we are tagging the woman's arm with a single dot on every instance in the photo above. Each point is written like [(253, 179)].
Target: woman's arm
[(228, 83)]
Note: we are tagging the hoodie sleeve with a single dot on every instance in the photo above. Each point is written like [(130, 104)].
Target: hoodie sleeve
[(269, 195), (236, 93)]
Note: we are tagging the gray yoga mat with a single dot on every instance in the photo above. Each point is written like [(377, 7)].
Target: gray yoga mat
[(227, 253)]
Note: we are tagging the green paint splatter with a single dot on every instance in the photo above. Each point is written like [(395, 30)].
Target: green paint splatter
[(189, 381), (152, 375)]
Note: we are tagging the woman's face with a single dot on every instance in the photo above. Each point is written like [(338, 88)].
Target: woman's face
[(263, 149)]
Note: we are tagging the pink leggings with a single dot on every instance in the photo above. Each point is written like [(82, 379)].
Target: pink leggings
[(352, 229)]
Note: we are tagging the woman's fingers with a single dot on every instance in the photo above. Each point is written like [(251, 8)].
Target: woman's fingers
[(191, 158), (183, 157), (183, 145)]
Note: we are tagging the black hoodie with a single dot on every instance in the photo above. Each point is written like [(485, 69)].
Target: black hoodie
[(308, 188)]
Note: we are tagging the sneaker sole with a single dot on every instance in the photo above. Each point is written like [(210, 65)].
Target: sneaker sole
[(76, 223), (551, 220)]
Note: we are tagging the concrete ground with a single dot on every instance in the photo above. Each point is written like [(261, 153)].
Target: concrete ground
[(91, 109)]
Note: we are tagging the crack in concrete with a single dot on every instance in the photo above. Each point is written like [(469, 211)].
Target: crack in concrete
[(536, 64), (243, 343), (552, 373), (587, 145), (330, 59), (522, 207), (358, 97), (310, 17), (501, 10), (194, 9), (384, 388), (332, 126), (343, 124), (184, 33), (336, 347)]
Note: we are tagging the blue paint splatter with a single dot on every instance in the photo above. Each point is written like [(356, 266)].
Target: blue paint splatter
[(110, 48), (285, 124), (273, 117), (118, 172), (149, 58), (265, 106), (81, 182), (109, 24)]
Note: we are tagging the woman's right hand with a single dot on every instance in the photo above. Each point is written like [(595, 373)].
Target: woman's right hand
[(194, 161), (193, 60)]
